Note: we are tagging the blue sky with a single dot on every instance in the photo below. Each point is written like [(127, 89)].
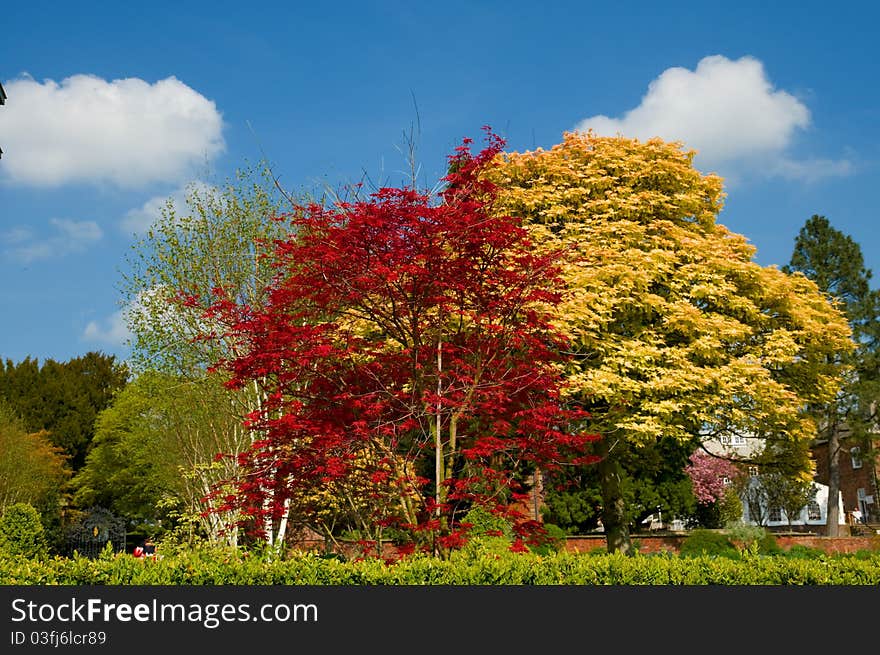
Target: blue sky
[(114, 107)]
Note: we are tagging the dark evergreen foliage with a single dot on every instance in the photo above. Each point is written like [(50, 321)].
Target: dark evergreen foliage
[(63, 398)]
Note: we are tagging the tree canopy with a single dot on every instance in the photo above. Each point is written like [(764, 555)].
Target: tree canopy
[(407, 333), (216, 239), (154, 456), (835, 262), (62, 398), (32, 470), (674, 331)]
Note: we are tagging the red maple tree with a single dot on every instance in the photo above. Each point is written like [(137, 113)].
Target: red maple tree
[(406, 339)]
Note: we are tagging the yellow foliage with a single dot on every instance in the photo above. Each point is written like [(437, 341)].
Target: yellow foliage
[(31, 468), (358, 500), (674, 328)]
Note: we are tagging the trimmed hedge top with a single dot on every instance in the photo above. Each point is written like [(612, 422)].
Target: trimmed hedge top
[(218, 567)]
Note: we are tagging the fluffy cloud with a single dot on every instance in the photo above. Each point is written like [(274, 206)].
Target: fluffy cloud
[(85, 129), (811, 170), (150, 312), (138, 220), (726, 110), (69, 237), (113, 331)]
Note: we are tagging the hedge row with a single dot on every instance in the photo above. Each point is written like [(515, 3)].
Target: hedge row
[(227, 568)]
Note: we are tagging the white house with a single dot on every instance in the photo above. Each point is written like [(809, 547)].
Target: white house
[(814, 514)]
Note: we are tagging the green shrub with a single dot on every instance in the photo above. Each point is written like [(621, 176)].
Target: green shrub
[(21, 532), (708, 542), (488, 534), (744, 533), (553, 540), (799, 551), (753, 538), (485, 523), (335, 556), (767, 545), (218, 566)]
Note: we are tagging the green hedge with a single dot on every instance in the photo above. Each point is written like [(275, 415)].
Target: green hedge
[(21, 532), (212, 567)]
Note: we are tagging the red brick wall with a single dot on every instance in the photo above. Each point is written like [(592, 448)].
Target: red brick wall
[(660, 544), (850, 479), (671, 543)]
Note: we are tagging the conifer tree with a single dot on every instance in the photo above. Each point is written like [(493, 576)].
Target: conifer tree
[(834, 261)]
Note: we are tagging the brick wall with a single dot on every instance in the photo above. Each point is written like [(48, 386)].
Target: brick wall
[(671, 543), (850, 479)]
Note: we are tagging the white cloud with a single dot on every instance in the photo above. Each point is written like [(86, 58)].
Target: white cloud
[(77, 232), (811, 170), (112, 331), (16, 235), (69, 237), (153, 311), (726, 110), (85, 129), (138, 220)]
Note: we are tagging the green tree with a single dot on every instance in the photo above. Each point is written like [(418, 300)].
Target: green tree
[(62, 398), (121, 470), (834, 261), (573, 501), (653, 479), (771, 488), (155, 452), (789, 494), (675, 331), (32, 471), (20, 390), (755, 497), (217, 240)]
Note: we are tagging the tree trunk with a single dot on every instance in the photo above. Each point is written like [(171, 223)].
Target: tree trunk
[(613, 517), (832, 513), (439, 474)]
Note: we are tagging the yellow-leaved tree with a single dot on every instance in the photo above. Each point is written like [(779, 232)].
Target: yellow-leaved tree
[(32, 470), (675, 331)]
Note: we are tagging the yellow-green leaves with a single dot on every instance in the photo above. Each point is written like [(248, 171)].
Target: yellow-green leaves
[(674, 329)]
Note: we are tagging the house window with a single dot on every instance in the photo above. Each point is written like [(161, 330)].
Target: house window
[(726, 481), (855, 454), (753, 471), (814, 512), (733, 440), (775, 514)]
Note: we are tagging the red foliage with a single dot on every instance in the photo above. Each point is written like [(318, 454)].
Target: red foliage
[(404, 550), (387, 315), (452, 540)]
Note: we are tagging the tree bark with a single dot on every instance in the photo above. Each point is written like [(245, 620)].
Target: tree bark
[(613, 515), (832, 513)]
